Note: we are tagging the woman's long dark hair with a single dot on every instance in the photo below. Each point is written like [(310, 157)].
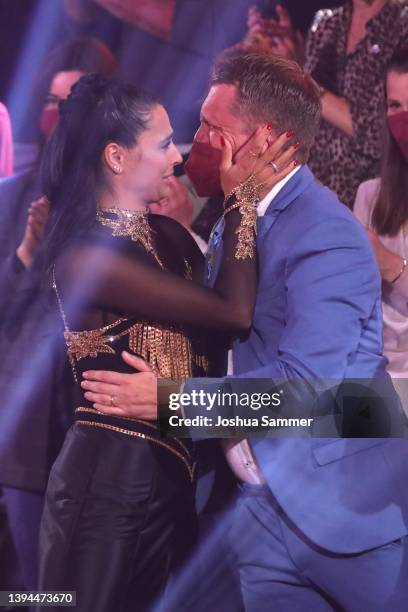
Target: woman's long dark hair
[(98, 111), (391, 207)]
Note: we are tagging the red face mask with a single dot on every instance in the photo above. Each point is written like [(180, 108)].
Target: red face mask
[(398, 125), (203, 169), (48, 121)]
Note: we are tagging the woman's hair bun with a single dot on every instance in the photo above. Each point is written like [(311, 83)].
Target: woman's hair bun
[(86, 95)]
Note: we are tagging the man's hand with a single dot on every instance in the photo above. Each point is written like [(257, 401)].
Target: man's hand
[(131, 395), (174, 202), (389, 263), (34, 231)]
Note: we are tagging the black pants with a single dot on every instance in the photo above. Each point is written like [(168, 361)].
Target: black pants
[(119, 518)]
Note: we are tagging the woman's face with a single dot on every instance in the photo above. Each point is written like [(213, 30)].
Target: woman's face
[(60, 89), (397, 92), (61, 86), (152, 160)]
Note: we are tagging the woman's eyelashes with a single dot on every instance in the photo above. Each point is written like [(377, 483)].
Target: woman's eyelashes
[(166, 144)]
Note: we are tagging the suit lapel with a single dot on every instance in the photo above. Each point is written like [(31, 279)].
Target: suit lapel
[(288, 194)]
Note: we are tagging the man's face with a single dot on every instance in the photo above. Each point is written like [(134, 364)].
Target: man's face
[(219, 119)]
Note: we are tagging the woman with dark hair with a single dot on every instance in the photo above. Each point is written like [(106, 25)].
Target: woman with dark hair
[(382, 206), (119, 513)]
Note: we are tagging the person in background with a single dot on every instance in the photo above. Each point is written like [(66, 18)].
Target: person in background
[(23, 212), (358, 39), (37, 414), (6, 143), (347, 50), (382, 206), (62, 68), (152, 16), (275, 36)]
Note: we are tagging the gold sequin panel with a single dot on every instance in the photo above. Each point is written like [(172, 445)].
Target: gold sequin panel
[(166, 348)]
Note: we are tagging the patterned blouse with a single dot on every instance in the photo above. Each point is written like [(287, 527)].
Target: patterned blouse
[(339, 161)]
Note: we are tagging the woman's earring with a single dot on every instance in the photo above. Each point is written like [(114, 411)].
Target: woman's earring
[(117, 169)]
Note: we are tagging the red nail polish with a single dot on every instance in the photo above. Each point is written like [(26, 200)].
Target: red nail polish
[(289, 134), (296, 145), (269, 126), (295, 163), (222, 141)]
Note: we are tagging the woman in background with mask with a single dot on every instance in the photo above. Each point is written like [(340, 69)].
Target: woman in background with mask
[(22, 212), (382, 206)]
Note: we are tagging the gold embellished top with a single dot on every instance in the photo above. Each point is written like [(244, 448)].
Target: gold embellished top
[(173, 350), (166, 348)]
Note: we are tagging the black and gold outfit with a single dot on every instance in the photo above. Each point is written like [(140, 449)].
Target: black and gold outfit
[(119, 514), (339, 161)]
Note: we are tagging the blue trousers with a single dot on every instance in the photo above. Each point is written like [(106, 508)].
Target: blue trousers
[(280, 569)]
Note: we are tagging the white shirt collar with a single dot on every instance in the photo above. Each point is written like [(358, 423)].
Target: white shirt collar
[(266, 201)]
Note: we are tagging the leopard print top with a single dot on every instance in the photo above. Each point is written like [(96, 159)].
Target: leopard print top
[(341, 162)]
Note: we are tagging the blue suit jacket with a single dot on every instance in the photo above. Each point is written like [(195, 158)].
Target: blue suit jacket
[(318, 316)]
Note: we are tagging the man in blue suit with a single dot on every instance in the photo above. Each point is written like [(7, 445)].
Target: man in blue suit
[(321, 524)]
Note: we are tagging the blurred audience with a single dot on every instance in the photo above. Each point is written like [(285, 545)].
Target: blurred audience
[(157, 38), (347, 50), (35, 415), (382, 206), (152, 16), (276, 36), (6, 143)]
